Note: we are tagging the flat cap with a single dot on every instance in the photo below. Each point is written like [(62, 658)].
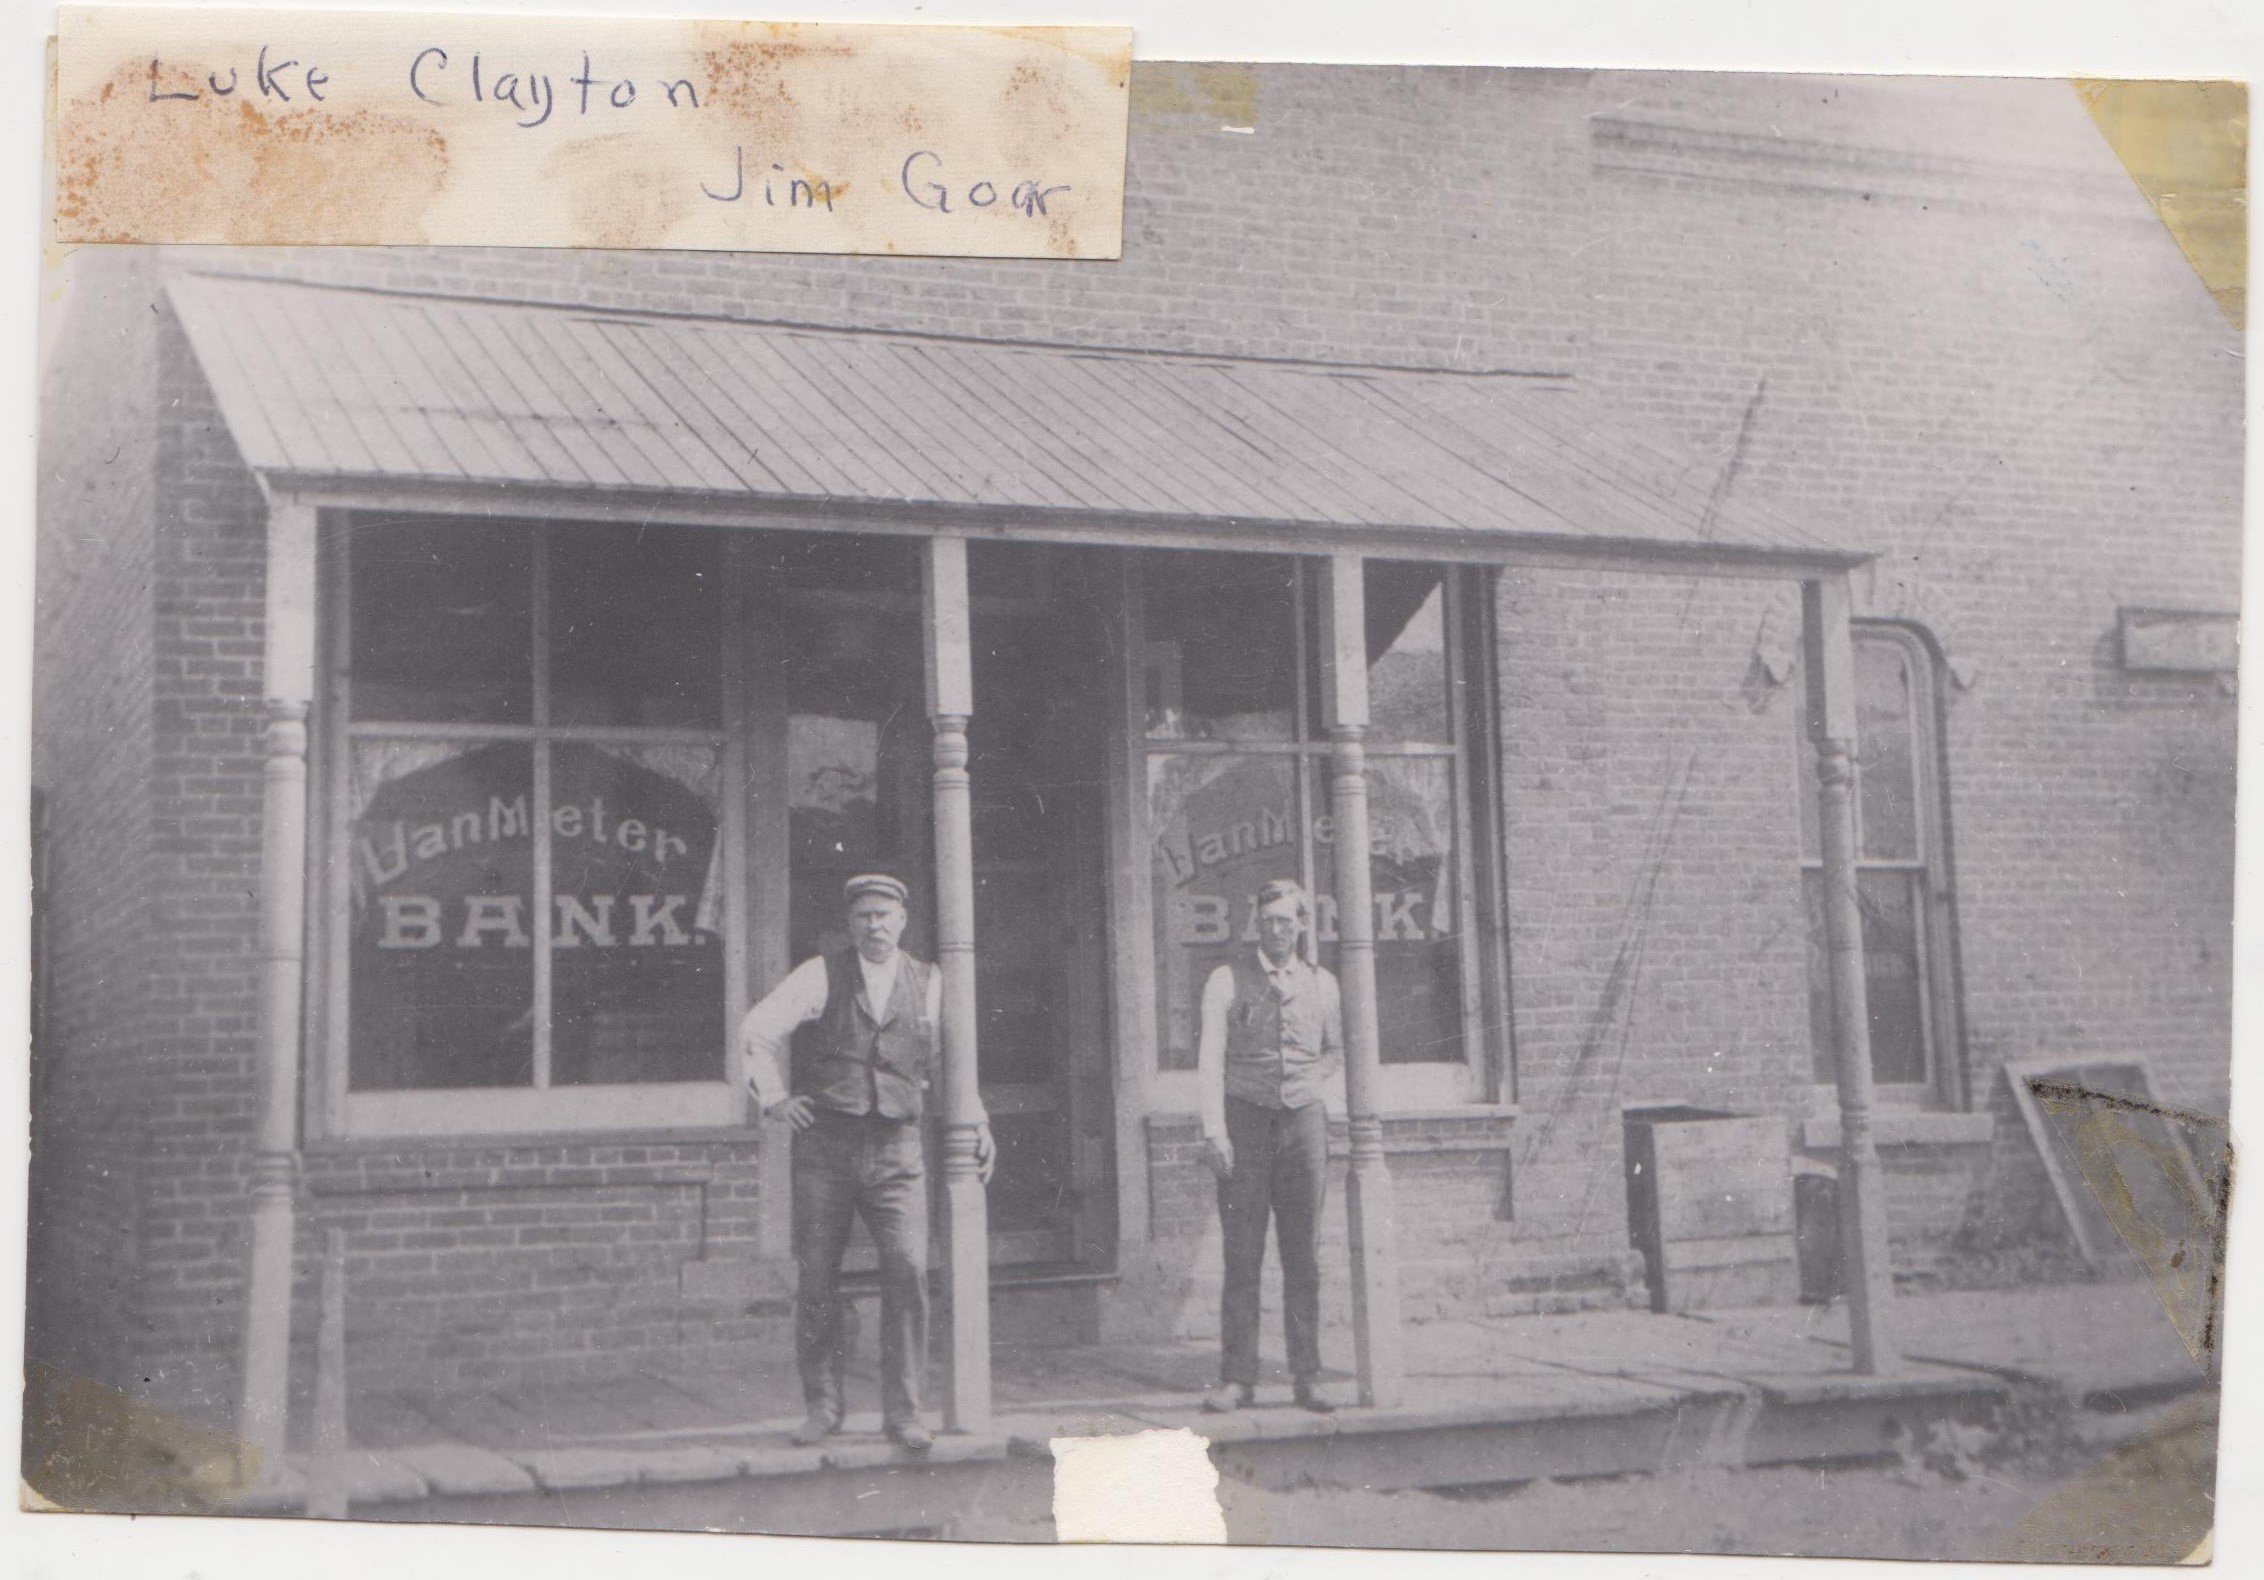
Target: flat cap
[(874, 883)]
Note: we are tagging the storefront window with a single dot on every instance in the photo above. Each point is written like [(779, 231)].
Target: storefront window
[(506, 679), (1239, 786)]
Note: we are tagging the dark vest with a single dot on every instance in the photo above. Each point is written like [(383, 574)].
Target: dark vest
[(1274, 1046), (851, 1064)]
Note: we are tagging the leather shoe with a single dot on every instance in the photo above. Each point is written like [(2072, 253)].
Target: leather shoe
[(1309, 1396), (1227, 1398), (821, 1425), (911, 1437)]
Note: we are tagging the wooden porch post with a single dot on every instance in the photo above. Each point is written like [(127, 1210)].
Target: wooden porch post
[(1866, 1267), (951, 702), (263, 1405), (1373, 1231)]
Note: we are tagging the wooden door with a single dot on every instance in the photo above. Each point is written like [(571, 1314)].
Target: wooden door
[(1037, 763)]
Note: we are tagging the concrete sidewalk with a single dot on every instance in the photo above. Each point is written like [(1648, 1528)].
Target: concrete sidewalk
[(1487, 1401)]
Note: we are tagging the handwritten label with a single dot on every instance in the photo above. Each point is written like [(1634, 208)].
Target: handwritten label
[(266, 128)]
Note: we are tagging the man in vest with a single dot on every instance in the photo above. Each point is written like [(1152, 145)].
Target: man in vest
[(1272, 1041), (865, 1023)]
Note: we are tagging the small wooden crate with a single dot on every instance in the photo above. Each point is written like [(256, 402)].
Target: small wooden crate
[(1710, 1207)]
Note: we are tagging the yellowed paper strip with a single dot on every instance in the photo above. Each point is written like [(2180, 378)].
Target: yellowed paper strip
[(271, 128)]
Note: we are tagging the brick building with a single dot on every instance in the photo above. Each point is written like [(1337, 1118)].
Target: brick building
[(1926, 339)]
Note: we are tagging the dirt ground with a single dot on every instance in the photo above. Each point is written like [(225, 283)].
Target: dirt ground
[(2137, 1488)]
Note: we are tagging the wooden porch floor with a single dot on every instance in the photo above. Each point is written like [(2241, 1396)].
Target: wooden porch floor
[(1594, 1368)]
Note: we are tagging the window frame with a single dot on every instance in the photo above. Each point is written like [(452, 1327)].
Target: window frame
[(1480, 1075), (335, 1110), (1946, 1084)]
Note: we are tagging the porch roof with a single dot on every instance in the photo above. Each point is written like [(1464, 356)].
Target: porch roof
[(324, 386)]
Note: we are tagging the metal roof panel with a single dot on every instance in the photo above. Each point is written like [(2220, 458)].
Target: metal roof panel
[(323, 382)]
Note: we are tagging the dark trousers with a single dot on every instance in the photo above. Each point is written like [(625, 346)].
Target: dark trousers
[(1280, 1174), (845, 1167)]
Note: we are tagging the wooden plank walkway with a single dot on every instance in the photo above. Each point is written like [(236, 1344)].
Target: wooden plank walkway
[(1494, 1388)]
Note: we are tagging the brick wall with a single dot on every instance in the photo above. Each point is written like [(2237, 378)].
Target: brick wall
[(1656, 938), (92, 675), (466, 1262)]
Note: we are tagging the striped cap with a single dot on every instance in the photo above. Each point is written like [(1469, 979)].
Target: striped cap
[(874, 883)]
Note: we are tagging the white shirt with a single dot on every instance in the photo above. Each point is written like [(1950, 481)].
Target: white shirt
[(800, 999)]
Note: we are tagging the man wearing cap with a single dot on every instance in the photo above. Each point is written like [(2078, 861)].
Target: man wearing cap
[(1272, 1041), (865, 1024)]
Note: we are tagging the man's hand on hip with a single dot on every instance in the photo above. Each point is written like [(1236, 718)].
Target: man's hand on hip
[(986, 1152), (800, 1112)]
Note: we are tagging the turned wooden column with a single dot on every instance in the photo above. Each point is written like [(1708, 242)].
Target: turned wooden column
[(1866, 1267), (1373, 1232), (951, 702), (263, 1405)]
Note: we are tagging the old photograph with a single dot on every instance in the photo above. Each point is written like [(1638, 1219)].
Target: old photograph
[(1533, 823)]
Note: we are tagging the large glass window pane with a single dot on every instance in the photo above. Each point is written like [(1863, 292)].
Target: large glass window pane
[(1408, 696), (1412, 872), (1221, 827), (636, 864), (636, 620), (442, 944), (1407, 671), (442, 627), (1886, 781), (1892, 959), (1221, 646)]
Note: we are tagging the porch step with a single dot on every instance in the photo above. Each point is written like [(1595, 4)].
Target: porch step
[(1747, 1422), (588, 1484)]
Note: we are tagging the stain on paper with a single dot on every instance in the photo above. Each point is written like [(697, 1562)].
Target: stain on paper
[(94, 1449), (2163, 1178), (1201, 96), (2186, 145), (2152, 1500), (279, 128), (258, 174)]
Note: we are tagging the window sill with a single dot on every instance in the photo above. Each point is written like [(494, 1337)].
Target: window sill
[(676, 1108), (409, 1146), (1905, 1127), (1463, 1127)]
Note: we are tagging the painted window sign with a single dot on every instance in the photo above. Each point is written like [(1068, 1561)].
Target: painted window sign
[(445, 923)]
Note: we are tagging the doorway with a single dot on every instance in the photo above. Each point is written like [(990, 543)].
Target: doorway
[(1038, 754)]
